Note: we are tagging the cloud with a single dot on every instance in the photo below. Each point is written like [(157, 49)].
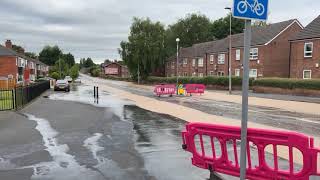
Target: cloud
[(95, 28)]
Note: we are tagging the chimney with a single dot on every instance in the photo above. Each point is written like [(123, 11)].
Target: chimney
[(9, 44)]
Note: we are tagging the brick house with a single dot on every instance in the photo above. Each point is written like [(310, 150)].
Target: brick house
[(305, 52), (19, 69), (115, 69), (269, 54)]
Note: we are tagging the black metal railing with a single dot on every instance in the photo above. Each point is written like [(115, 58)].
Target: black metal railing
[(20, 96)]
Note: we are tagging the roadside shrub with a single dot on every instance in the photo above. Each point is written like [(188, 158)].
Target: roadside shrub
[(55, 75), (117, 78), (288, 83), (95, 72)]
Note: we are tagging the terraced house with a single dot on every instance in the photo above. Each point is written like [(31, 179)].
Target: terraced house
[(305, 52), (17, 69), (269, 54)]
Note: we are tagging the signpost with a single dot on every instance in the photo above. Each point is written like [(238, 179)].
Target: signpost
[(248, 10)]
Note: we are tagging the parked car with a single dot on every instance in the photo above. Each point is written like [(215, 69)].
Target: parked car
[(78, 80), (68, 78), (62, 85)]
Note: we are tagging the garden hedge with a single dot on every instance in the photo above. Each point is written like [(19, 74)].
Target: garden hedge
[(288, 83)]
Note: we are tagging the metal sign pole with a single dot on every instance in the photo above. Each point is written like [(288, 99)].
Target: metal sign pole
[(245, 89)]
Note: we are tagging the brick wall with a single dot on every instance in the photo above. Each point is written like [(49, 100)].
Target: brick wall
[(299, 63), (8, 66)]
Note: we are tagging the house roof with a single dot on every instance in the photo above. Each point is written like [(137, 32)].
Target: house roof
[(9, 52), (311, 31)]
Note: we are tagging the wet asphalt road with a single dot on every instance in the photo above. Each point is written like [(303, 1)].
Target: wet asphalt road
[(299, 122), (69, 136)]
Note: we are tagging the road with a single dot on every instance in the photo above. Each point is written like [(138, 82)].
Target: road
[(72, 136)]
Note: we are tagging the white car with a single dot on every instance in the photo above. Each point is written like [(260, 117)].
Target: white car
[(68, 78), (78, 80)]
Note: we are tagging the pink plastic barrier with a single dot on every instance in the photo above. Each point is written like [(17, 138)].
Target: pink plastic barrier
[(210, 144), (195, 88), (165, 89)]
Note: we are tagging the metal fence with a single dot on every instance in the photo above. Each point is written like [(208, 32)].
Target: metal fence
[(18, 97)]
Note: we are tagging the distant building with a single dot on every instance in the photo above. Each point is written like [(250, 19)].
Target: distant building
[(16, 68), (305, 52), (115, 69), (269, 54)]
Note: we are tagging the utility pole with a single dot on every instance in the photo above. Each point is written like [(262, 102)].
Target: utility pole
[(230, 52), (177, 65)]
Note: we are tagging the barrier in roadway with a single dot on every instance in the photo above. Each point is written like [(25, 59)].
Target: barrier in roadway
[(195, 89), (165, 89), (217, 148)]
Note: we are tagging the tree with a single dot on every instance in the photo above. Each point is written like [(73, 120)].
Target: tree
[(31, 55), (69, 59), (144, 48), (88, 63), (61, 67), (195, 28), (55, 75), (18, 48), (220, 27), (50, 55), (74, 71)]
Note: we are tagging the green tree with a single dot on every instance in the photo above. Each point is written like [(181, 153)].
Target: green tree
[(194, 28), (74, 71), (144, 48), (50, 55), (18, 48), (88, 63), (220, 27), (31, 55), (55, 75), (69, 59), (61, 67)]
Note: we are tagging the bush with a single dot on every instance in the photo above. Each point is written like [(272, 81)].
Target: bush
[(209, 80), (116, 78), (288, 83), (55, 75), (95, 72)]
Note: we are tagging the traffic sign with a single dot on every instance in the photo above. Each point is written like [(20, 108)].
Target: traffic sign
[(251, 9)]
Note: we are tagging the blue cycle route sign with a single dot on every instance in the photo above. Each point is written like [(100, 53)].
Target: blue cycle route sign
[(251, 9)]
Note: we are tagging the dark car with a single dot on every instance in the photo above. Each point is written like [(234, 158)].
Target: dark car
[(62, 85)]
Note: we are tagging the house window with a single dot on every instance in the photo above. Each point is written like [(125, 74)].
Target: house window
[(253, 73), (211, 73), (200, 74), (308, 49), (194, 74), (237, 72), (168, 64), (238, 54), (185, 74), (307, 74), (220, 73), (254, 53), (193, 62), (211, 59), (221, 58), (172, 65), (200, 62), (185, 62)]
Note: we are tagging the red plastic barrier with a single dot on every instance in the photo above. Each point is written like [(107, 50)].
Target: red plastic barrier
[(165, 89), (195, 88), (205, 153)]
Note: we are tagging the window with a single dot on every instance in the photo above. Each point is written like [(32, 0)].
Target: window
[(211, 59), (193, 62), (308, 49), (253, 73), (254, 53), (185, 74), (185, 62), (200, 62), (211, 73), (194, 74), (307, 74), (237, 72), (220, 73), (200, 74), (238, 54), (172, 65), (221, 58), (168, 64)]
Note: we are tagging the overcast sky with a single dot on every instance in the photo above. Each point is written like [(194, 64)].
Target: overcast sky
[(94, 28)]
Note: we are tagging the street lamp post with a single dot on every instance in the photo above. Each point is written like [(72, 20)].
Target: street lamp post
[(230, 52), (177, 40)]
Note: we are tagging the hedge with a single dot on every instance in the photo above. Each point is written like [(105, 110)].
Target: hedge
[(210, 80), (288, 83), (116, 78)]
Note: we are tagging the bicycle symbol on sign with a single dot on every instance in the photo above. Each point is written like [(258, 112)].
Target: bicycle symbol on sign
[(257, 7)]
